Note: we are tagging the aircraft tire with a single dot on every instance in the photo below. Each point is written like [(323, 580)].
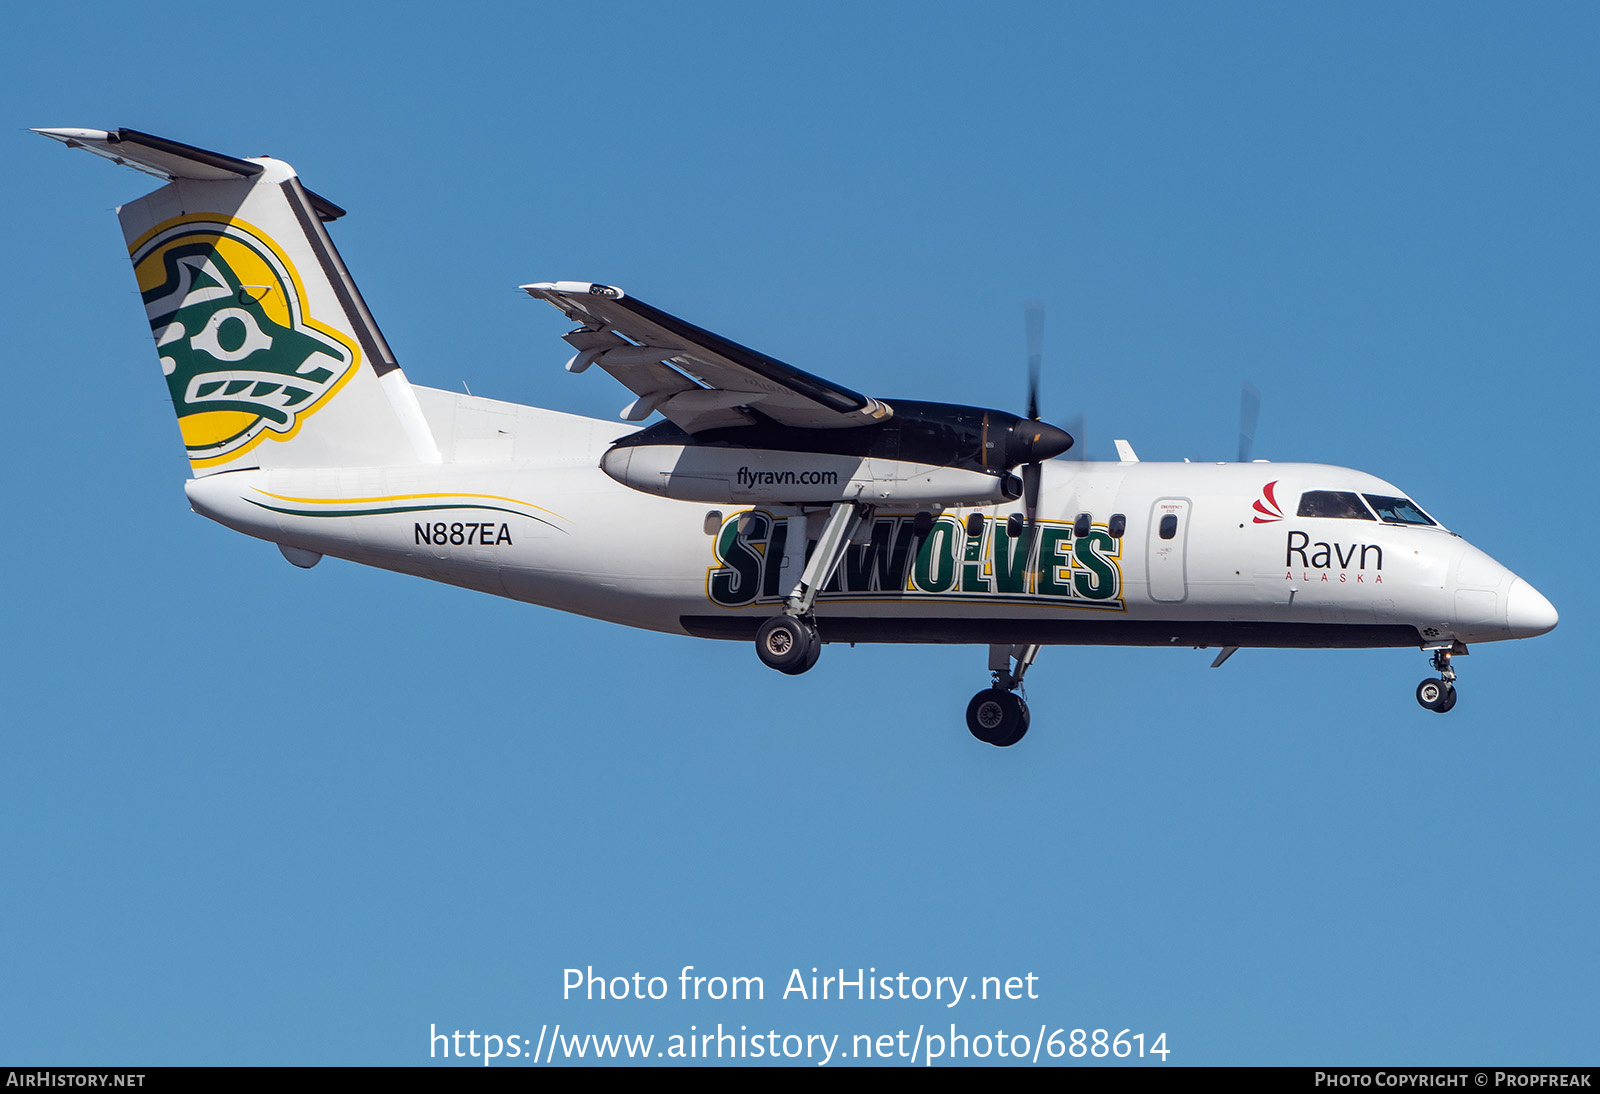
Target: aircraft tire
[(788, 644), (813, 651), (1436, 695), (811, 654), (997, 717), (1022, 726)]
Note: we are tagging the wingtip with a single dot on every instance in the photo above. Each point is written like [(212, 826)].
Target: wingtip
[(68, 135), (572, 288)]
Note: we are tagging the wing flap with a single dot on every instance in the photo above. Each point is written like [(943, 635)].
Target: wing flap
[(659, 386)]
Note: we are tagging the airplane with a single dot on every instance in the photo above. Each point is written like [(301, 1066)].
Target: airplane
[(779, 507)]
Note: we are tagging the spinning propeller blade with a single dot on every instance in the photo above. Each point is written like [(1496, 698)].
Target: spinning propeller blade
[(1033, 319), (1078, 426), (1043, 440), (1249, 411)]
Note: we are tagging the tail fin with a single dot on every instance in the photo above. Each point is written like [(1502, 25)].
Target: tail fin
[(270, 354)]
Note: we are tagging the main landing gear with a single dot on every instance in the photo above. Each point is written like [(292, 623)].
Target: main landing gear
[(1439, 695), (790, 642), (998, 715)]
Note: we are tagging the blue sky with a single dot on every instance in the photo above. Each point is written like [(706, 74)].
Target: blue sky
[(259, 815)]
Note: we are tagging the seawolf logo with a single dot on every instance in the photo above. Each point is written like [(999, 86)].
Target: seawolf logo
[(242, 359)]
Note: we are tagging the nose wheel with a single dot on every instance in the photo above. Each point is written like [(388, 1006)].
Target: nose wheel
[(998, 717), (1439, 695), (1436, 695)]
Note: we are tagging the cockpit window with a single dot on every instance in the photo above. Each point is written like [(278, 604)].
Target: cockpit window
[(1398, 510), (1333, 503)]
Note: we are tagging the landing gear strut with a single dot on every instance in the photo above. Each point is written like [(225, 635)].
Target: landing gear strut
[(998, 715), (1439, 695), (790, 642)]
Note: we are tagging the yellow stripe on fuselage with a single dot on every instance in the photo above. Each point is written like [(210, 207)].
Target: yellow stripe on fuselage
[(406, 497)]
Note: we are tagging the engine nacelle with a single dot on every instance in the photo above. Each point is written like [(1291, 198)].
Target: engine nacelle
[(737, 476)]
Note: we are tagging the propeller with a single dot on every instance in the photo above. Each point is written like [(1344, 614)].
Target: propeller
[(1033, 319), (1249, 411), (1078, 426), (1039, 440)]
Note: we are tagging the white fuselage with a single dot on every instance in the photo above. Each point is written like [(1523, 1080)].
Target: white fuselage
[(520, 507)]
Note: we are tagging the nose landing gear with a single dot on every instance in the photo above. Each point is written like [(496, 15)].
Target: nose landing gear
[(998, 715), (1439, 695)]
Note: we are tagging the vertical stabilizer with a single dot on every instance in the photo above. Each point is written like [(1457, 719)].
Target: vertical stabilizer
[(270, 355)]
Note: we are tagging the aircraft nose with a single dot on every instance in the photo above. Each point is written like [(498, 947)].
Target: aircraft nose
[(1528, 613)]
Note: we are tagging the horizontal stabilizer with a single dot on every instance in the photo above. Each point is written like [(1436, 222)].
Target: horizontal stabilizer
[(171, 160)]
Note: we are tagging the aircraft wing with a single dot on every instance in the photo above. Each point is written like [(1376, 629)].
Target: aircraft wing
[(696, 379)]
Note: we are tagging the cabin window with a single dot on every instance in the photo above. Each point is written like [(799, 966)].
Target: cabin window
[(1333, 503), (1398, 510), (1169, 526), (1119, 525), (713, 521), (1081, 526)]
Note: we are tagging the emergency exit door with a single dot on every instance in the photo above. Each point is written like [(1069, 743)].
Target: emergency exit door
[(1165, 558)]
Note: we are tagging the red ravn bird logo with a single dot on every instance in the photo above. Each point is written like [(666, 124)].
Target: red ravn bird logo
[(1269, 511)]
